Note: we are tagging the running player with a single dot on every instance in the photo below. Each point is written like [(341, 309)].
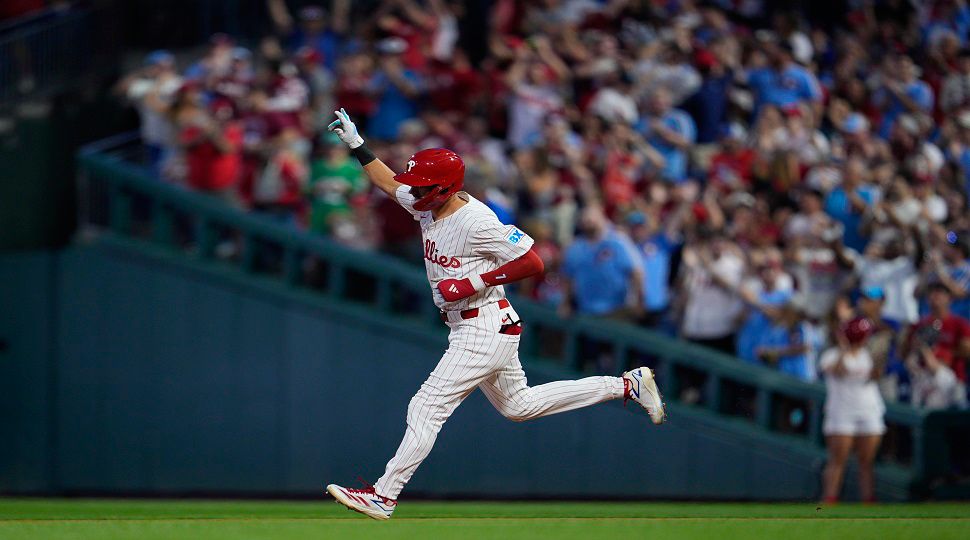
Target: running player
[(469, 255)]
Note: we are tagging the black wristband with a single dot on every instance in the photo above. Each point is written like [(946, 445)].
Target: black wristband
[(363, 154)]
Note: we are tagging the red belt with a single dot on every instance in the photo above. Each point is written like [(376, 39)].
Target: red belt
[(513, 328), (473, 312)]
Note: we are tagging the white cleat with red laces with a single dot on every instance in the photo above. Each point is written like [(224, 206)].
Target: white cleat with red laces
[(366, 501), (640, 386)]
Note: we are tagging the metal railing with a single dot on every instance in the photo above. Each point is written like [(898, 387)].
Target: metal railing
[(124, 198)]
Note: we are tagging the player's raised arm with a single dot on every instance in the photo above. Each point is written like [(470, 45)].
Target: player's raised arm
[(379, 174)]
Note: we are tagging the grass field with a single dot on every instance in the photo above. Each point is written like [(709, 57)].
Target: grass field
[(240, 520)]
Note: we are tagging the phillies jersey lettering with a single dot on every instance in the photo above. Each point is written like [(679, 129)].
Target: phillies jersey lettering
[(471, 241), (431, 254)]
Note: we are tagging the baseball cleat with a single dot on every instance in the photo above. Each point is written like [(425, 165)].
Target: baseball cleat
[(640, 386), (366, 501)]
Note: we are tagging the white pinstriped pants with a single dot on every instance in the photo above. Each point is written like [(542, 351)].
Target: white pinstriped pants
[(480, 357)]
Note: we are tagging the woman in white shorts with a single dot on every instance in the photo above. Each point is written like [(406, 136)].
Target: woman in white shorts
[(853, 409)]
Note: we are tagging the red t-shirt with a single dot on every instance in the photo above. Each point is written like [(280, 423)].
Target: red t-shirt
[(953, 330), (725, 165), (453, 89), (352, 94), (619, 179), (208, 168)]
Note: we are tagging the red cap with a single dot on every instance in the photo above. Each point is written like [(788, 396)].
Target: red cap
[(705, 59), (438, 167), (857, 330)]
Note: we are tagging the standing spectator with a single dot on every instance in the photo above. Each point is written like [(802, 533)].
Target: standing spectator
[(335, 178), (902, 92), (600, 270), (785, 344), (669, 69), (955, 94), (730, 167), (853, 410), (935, 386), (656, 239), (534, 80), (397, 89), (952, 270), (783, 83), (810, 221), (671, 131), (709, 105), (320, 83), (947, 335), (889, 267), (887, 369), (152, 90), (764, 296), (849, 201), (713, 270), (313, 30), (815, 266), (212, 146), (353, 84), (278, 188)]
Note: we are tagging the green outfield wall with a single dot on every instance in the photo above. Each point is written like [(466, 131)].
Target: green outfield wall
[(128, 369)]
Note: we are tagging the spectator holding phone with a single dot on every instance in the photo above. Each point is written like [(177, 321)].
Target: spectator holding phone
[(853, 409), (935, 386), (944, 333)]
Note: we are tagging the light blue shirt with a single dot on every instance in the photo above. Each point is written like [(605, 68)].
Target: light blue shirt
[(393, 107), (784, 88), (600, 272), (918, 91), (675, 159), (797, 365), (655, 255), (757, 324), (838, 206)]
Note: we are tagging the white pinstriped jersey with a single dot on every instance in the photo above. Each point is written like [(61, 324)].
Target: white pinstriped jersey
[(468, 242)]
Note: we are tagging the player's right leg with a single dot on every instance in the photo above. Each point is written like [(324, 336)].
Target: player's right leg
[(472, 356), (641, 386)]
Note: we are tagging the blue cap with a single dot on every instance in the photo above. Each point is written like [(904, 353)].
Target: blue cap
[(874, 292), (159, 57)]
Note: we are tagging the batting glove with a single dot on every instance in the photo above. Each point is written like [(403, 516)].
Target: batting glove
[(345, 129), (455, 289)]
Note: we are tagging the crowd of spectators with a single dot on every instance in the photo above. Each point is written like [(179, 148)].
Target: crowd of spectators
[(740, 174)]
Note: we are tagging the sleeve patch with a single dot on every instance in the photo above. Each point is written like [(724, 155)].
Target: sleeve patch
[(514, 236)]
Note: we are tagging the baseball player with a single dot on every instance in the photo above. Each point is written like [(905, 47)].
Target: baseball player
[(469, 255)]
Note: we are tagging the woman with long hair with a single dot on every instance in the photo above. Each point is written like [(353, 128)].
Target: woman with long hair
[(853, 410)]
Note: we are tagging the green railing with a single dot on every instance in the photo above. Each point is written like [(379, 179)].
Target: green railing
[(120, 196)]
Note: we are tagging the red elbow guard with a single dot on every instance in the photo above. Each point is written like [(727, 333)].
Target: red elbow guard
[(521, 268)]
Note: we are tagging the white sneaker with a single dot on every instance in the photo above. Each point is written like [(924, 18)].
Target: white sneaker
[(366, 501), (640, 386)]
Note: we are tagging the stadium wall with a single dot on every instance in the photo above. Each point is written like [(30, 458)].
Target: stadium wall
[(130, 370)]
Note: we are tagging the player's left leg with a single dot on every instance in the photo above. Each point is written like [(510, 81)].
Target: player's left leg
[(509, 392)]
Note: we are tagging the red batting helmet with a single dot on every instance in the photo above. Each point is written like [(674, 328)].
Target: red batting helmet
[(439, 168), (857, 330)]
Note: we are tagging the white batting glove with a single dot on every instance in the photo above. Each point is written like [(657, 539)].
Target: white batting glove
[(345, 129)]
